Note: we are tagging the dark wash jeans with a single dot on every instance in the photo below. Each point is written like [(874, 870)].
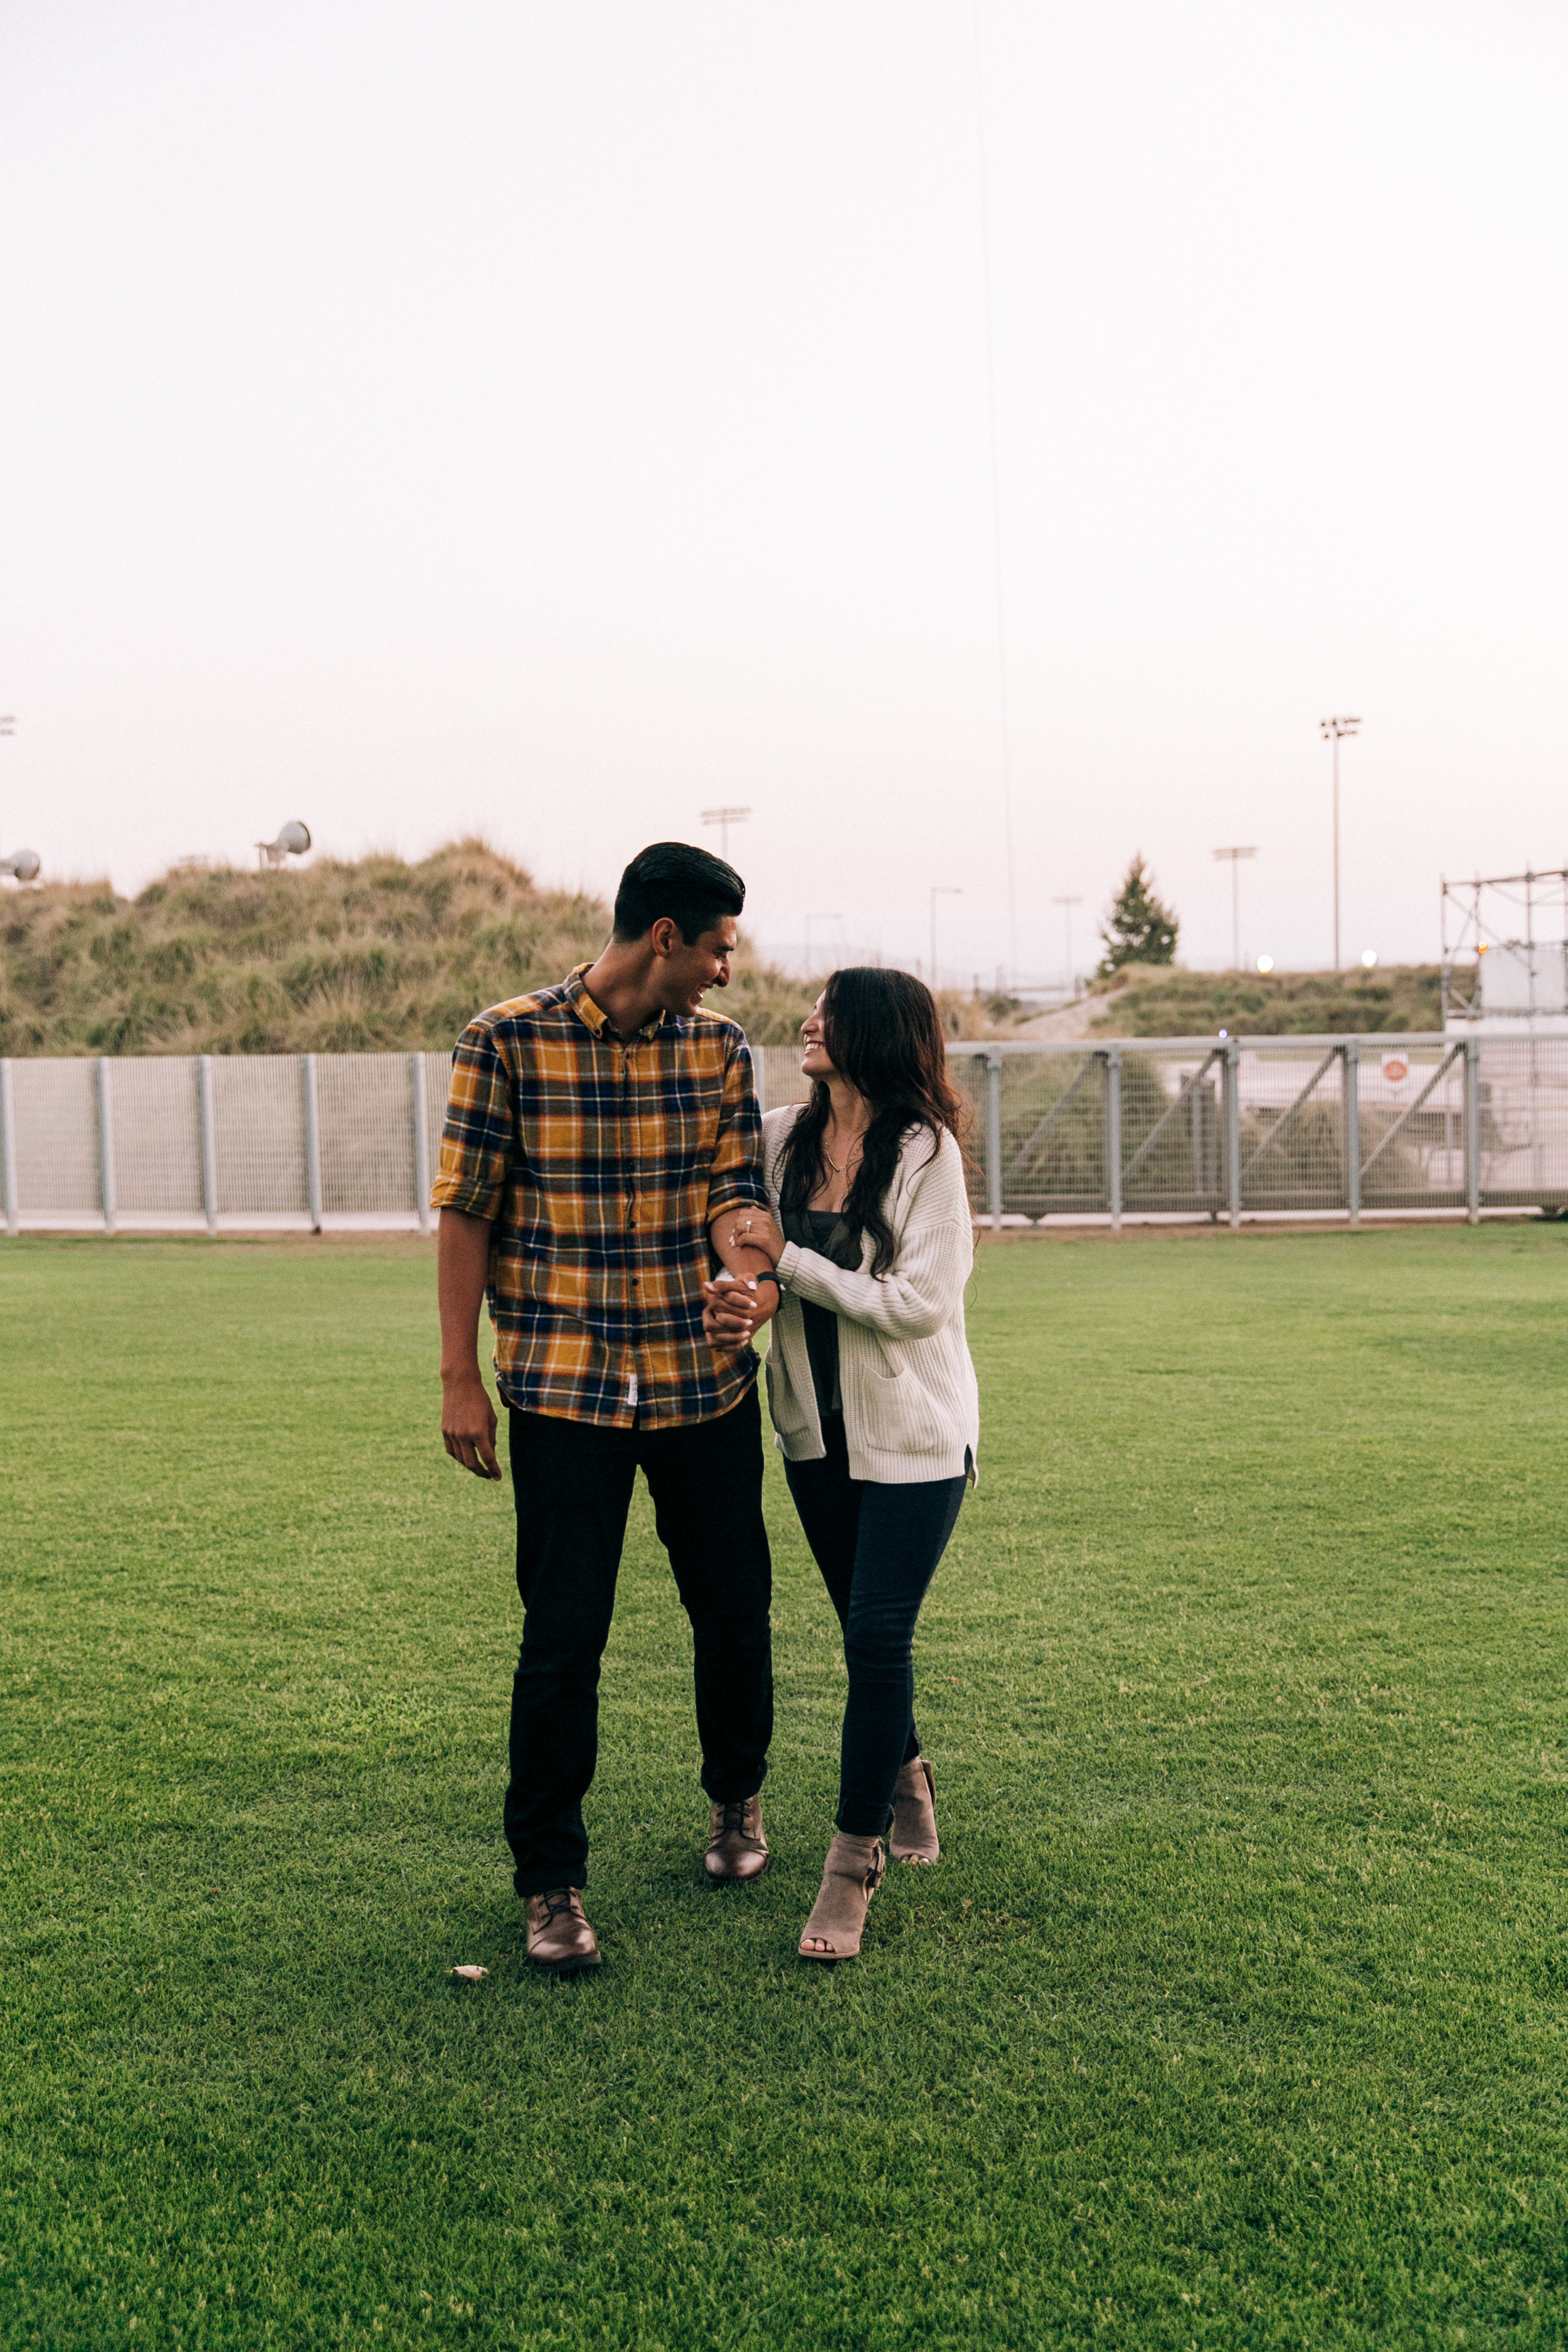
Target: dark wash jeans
[(878, 1548), (573, 1486)]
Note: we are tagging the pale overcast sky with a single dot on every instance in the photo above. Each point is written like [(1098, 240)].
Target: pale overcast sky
[(554, 421)]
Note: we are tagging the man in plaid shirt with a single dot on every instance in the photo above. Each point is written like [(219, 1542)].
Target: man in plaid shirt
[(603, 1148)]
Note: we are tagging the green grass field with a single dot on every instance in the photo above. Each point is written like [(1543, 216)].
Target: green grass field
[(1234, 2017)]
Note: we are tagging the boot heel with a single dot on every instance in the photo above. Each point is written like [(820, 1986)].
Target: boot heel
[(913, 1837)]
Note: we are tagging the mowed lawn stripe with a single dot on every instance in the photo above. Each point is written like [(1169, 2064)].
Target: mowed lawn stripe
[(1235, 2014)]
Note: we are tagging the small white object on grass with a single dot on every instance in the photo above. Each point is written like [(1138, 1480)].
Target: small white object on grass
[(470, 1973)]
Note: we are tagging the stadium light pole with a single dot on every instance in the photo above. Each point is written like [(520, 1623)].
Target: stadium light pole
[(1333, 731), (724, 818), (1067, 905), (1234, 858), (809, 920), (939, 890)]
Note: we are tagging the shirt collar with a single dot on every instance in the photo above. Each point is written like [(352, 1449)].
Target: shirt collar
[(592, 1015)]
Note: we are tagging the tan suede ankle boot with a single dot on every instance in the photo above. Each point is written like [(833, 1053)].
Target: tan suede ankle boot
[(913, 1837), (851, 1875)]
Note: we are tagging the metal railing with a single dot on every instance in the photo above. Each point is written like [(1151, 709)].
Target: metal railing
[(1166, 1127), (1227, 1128)]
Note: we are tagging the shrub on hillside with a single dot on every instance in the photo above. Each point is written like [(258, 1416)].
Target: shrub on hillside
[(1173, 1003)]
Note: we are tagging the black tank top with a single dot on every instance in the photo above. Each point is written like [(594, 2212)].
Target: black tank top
[(824, 1231)]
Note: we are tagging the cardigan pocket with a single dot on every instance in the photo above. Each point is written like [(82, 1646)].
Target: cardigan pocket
[(905, 1420)]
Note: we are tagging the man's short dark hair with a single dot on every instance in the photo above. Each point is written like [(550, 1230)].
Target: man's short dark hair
[(692, 886)]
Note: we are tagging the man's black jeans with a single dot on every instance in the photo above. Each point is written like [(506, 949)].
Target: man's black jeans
[(878, 1548), (572, 1483)]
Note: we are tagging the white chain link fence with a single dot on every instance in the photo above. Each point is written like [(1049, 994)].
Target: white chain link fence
[(1185, 1128)]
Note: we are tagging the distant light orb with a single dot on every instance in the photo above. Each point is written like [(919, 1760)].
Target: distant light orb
[(1368, 958), (1225, 1033), (1265, 963)]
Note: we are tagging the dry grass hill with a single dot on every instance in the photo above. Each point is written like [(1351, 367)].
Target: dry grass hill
[(375, 955), (329, 958)]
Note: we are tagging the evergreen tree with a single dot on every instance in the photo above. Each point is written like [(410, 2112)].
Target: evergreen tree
[(1139, 928)]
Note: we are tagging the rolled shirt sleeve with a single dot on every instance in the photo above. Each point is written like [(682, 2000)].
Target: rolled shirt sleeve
[(736, 1179), (477, 1139)]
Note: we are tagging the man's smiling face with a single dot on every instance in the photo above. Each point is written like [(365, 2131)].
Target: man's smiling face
[(686, 970)]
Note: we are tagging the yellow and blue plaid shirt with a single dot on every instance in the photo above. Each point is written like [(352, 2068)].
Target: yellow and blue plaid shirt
[(600, 1160)]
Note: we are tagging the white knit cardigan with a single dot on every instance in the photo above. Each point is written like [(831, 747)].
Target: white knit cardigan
[(911, 1405)]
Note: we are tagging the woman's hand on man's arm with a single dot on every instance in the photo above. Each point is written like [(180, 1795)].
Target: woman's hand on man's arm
[(746, 1242)]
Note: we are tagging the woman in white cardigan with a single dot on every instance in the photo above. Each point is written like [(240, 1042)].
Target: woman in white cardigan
[(870, 1386)]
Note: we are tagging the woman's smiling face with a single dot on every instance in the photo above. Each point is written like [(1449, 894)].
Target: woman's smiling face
[(815, 1061)]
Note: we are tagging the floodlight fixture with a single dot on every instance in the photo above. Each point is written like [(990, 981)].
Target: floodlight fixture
[(22, 864), (1265, 963), (293, 840), (1369, 958)]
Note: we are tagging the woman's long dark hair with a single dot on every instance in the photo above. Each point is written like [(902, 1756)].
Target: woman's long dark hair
[(883, 1033)]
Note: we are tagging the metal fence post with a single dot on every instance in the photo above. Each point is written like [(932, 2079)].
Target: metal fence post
[(1233, 1131), (1349, 1079), (312, 1142), (8, 1188), (1113, 1135), (208, 1123), (1473, 1129), (421, 1142), (106, 1142), (993, 1139)]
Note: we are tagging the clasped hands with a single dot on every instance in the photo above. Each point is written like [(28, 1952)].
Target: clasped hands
[(734, 1308), (737, 1303)]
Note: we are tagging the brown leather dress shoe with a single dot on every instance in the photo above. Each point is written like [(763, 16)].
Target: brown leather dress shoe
[(558, 1936), (737, 1850)]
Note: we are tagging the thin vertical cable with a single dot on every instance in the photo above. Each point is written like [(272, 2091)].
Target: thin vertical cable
[(995, 493)]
